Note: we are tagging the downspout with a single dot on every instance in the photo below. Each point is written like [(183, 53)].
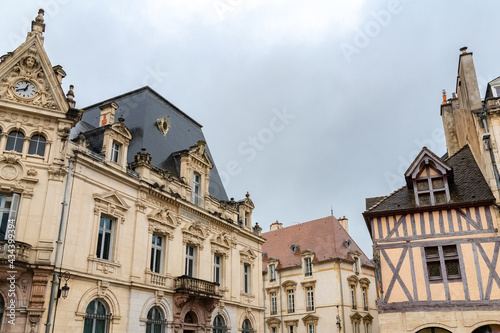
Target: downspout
[(492, 155), (57, 263), (341, 295), (281, 307)]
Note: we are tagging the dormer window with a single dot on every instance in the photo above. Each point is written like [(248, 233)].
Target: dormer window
[(115, 152), (197, 199), (430, 186), (428, 176)]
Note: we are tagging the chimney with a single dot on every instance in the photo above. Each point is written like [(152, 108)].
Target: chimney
[(108, 110), (344, 223), (445, 101), (276, 226)]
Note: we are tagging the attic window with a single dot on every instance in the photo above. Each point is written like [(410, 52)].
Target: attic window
[(430, 185), (294, 248), (496, 91), (347, 243)]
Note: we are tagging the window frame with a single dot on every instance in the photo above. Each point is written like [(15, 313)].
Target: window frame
[(152, 323), (218, 269), (246, 278), (364, 295), (290, 300), (273, 309), (101, 245), (196, 197), (353, 297), (219, 327), (15, 144), (11, 211), (310, 298), (425, 176), (246, 326), (441, 259), (38, 146), (308, 266), (311, 328), (190, 261), (272, 273), (116, 149), (157, 254)]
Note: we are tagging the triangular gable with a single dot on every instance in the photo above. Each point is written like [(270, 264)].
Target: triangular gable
[(113, 198), (426, 156), (199, 153), (30, 63)]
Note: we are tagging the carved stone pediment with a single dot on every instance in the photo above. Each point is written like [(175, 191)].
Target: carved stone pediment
[(221, 243), (195, 234), (111, 203), (247, 256), (162, 221), (14, 177)]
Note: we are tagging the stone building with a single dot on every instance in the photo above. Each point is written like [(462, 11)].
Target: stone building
[(146, 239), (317, 279), (436, 239)]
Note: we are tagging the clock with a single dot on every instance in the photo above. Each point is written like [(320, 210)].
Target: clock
[(25, 89)]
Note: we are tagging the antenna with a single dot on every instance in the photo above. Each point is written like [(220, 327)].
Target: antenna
[(332, 210)]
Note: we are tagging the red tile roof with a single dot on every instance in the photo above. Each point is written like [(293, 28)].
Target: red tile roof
[(325, 237)]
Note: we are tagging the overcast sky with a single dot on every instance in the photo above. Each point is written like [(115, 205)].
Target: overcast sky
[(307, 105)]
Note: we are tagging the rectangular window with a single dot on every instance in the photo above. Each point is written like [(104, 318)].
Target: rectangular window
[(217, 268), (355, 266), (368, 328), (310, 328), (9, 204), (272, 270), (189, 268), (246, 219), (274, 305), (197, 198), (274, 330), (353, 296), (156, 254), (308, 266), (291, 301), (355, 327), (436, 255), (246, 278), (115, 152), (365, 299), (310, 299), (291, 329), (105, 238)]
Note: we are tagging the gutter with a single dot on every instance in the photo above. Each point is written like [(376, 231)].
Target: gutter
[(341, 295)]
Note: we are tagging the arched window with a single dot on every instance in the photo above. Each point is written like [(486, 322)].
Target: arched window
[(247, 326), (97, 317), (37, 145), (15, 141), (156, 321), (433, 330), (219, 325)]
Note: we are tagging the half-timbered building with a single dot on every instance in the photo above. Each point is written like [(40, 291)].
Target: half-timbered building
[(436, 239)]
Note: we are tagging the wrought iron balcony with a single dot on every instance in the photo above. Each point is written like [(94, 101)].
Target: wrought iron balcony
[(196, 286), (20, 251)]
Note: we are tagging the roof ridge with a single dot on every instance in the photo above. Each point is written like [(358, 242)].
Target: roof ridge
[(458, 151), (386, 197), (302, 223)]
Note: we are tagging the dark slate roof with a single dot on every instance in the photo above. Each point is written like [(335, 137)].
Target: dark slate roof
[(325, 237), (141, 108), (468, 186)]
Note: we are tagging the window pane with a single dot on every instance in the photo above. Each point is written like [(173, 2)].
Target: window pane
[(422, 185), (437, 183), (434, 269), (107, 244), (431, 252), (37, 145), (440, 198), (450, 250), (424, 199), (15, 141), (452, 268)]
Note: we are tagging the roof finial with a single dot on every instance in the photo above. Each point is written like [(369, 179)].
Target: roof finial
[(70, 97), (463, 49), (37, 26)]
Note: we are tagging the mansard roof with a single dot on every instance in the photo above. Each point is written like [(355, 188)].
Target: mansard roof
[(468, 187), (324, 238), (141, 109)]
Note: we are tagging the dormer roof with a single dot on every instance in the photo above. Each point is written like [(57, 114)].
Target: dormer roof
[(426, 156)]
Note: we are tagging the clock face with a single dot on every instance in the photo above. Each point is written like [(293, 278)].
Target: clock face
[(25, 89)]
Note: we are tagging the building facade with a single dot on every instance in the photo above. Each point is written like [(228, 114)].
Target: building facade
[(146, 239), (317, 279), (436, 239)]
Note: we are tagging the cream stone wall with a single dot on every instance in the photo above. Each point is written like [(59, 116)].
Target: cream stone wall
[(331, 297)]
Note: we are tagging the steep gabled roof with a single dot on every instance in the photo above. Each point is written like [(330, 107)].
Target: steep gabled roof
[(468, 187), (325, 237)]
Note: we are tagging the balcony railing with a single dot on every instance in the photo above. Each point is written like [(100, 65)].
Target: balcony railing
[(21, 250), (191, 285), (156, 279)]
